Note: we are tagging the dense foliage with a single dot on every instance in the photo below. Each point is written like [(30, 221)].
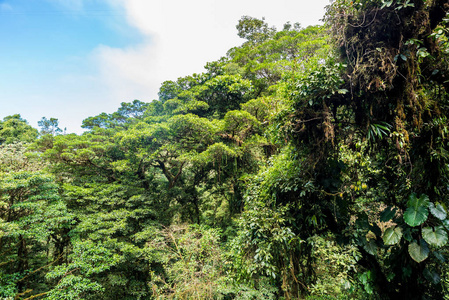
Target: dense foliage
[(307, 163)]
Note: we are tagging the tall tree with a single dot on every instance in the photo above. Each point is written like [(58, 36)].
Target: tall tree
[(49, 126), (15, 129), (34, 223)]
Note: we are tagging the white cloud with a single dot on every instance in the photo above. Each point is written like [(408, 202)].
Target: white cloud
[(128, 74), (182, 36)]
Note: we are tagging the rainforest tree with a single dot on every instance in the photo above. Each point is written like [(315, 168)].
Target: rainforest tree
[(307, 162)]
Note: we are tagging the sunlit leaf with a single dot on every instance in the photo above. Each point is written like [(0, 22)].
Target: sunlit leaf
[(438, 211), (418, 252), (392, 235), (435, 236)]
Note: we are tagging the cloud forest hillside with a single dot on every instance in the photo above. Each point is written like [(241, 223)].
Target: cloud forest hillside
[(307, 163)]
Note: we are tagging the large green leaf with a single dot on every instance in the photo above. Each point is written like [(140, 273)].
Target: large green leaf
[(438, 211), (418, 252), (392, 235), (415, 217), (435, 236), (417, 211)]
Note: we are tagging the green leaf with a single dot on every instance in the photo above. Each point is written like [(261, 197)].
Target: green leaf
[(439, 256), (445, 223), (388, 214), (386, 4), (436, 237), (371, 247), (415, 217), (438, 211), (415, 202), (431, 276), (417, 211), (418, 252), (407, 234), (392, 235)]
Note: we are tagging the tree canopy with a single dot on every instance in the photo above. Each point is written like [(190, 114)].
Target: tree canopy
[(307, 163)]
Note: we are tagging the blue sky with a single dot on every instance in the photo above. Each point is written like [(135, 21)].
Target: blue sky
[(71, 59)]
